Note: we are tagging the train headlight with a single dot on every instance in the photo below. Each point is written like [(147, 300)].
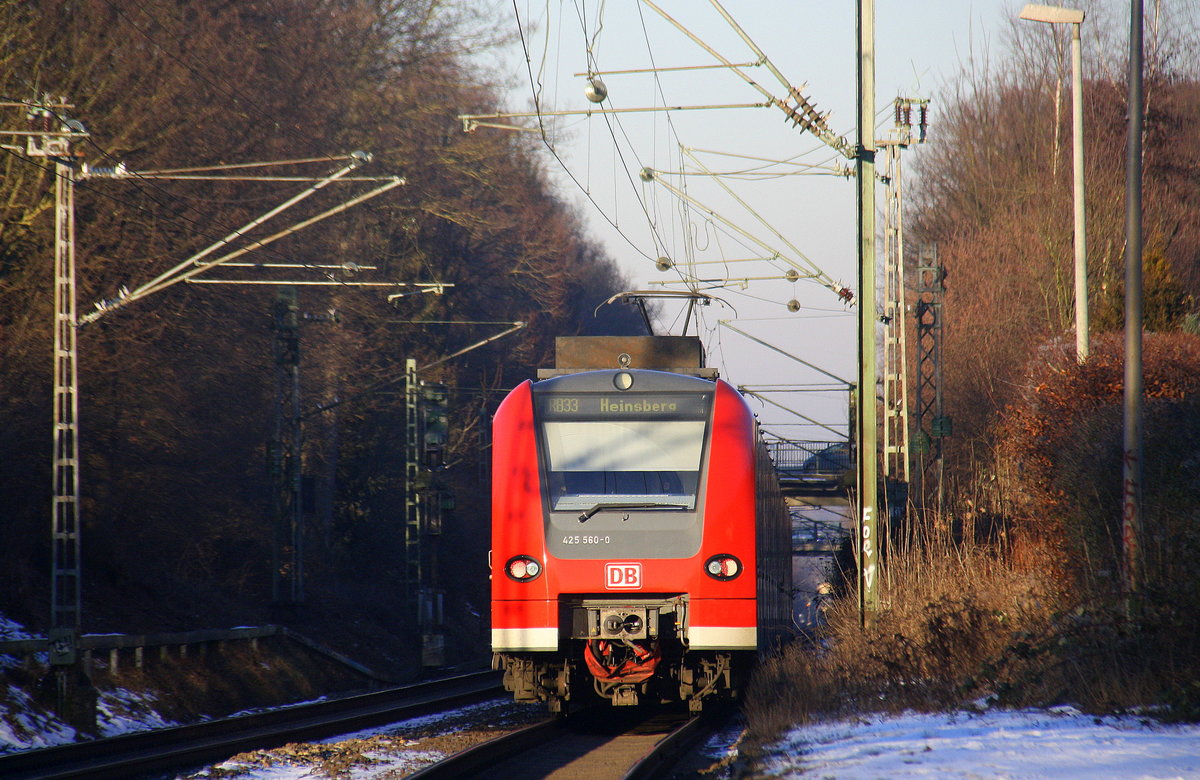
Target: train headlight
[(522, 568), (723, 567)]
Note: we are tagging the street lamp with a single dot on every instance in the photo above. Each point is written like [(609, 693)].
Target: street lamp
[(1074, 17)]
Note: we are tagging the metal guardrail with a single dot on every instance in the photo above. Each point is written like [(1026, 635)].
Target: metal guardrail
[(114, 643), (124, 641)]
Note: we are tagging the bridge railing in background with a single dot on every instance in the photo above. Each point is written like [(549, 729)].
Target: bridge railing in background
[(810, 460)]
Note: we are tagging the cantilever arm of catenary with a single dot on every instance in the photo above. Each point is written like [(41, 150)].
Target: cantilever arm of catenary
[(805, 265), (801, 361), (807, 117), (178, 274), (338, 209), (816, 272), (806, 418)]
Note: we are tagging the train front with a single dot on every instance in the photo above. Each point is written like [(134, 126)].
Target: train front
[(623, 538)]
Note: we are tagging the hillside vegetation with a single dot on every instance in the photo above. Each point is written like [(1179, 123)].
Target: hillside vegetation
[(177, 391), (1013, 594)]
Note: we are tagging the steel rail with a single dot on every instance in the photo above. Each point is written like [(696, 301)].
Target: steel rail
[(161, 749)]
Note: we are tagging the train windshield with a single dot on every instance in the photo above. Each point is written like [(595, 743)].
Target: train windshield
[(642, 462)]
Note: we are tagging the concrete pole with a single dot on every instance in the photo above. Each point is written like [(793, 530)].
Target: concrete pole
[(1081, 268), (1132, 488), (867, 413)]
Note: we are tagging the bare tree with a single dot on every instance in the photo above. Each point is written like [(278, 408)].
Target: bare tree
[(994, 192), (177, 390)]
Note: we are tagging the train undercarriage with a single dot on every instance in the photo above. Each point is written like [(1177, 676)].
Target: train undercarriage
[(626, 653), (558, 680)]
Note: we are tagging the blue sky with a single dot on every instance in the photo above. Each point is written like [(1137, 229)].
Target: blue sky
[(808, 212)]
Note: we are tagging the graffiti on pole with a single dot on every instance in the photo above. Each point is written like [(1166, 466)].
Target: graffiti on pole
[(869, 554), (1129, 518)]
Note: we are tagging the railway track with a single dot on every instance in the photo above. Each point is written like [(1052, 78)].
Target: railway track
[(164, 749), (600, 744)]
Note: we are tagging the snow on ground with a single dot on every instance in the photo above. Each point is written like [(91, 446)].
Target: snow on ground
[(123, 711), (1057, 744), (12, 630), (388, 761), (24, 726), (1053, 744), (390, 751)]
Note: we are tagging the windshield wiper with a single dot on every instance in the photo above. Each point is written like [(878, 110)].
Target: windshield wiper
[(583, 518)]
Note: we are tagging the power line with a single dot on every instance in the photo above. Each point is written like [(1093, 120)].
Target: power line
[(133, 177), (553, 151)]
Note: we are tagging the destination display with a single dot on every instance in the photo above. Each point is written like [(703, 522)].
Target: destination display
[(639, 406)]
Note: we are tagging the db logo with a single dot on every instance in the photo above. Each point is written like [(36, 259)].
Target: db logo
[(620, 576)]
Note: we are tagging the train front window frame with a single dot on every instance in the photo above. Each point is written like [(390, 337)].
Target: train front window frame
[(643, 451), (651, 462)]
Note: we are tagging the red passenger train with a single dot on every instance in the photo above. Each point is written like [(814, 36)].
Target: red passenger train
[(640, 546)]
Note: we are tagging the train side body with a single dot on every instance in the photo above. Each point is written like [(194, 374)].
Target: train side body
[(638, 549)]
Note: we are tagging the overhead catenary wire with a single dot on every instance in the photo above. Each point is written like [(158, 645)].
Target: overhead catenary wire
[(621, 140), (120, 172), (701, 225), (814, 271), (550, 147), (684, 207), (804, 417), (824, 167), (807, 118), (391, 381), (80, 184), (101, 193)]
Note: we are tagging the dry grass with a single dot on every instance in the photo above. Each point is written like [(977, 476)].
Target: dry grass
[(963, 626), (954, 627)]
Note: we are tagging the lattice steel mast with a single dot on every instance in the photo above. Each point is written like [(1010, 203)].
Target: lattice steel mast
[(896, 443)]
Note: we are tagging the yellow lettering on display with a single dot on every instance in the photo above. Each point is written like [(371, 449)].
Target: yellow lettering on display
[(609, 406)]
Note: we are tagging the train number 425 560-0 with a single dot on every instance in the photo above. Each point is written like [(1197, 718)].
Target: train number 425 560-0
[(585, 539)]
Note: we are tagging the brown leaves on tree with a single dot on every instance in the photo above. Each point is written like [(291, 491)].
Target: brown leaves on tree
[(177, 390)]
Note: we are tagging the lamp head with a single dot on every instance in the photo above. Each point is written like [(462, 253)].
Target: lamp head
[(1051, 14)]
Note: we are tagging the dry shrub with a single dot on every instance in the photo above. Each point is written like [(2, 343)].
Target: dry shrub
[(963, 626), (1060, 450), (1018, 603), (958, 624)]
